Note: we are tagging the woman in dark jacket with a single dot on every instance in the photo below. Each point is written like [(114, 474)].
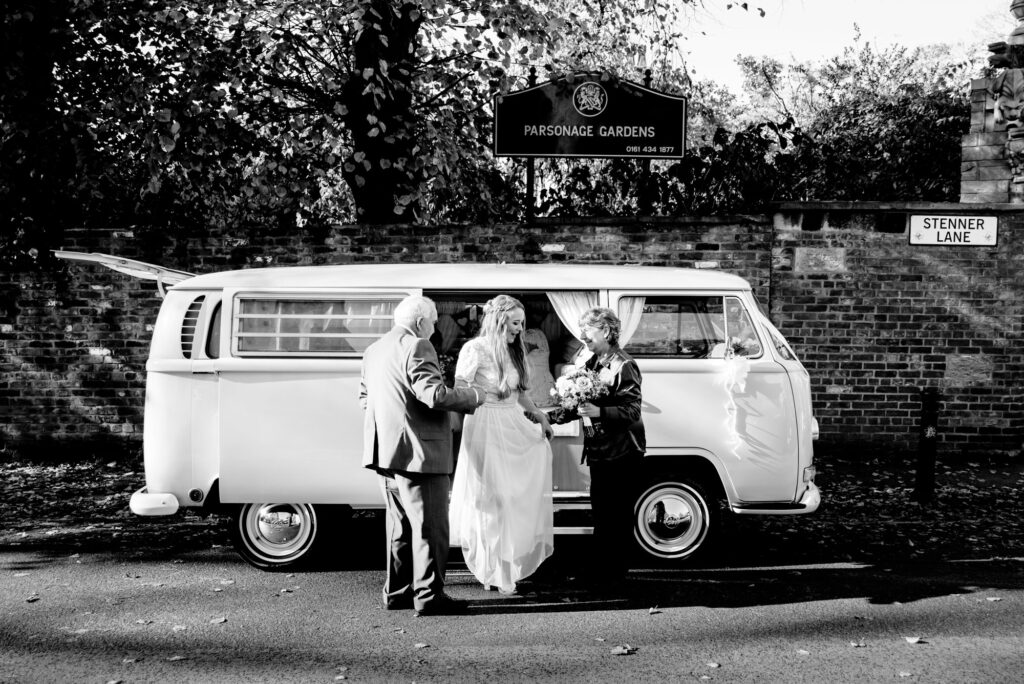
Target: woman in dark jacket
[(616, 443)]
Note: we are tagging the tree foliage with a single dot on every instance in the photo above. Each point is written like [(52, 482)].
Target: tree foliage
[(879, 124), (270, 114)]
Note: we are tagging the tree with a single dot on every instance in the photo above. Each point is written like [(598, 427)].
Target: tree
[(277, 112)]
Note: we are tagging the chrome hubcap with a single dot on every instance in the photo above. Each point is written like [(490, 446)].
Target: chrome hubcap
[(277, 531), (672, 520)]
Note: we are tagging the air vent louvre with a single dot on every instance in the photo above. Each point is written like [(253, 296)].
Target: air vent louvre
[(188, 326)]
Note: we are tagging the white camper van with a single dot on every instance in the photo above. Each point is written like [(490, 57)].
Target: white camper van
[(253, 380)]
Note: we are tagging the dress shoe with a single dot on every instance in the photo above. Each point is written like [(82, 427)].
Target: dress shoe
[(443, 605)]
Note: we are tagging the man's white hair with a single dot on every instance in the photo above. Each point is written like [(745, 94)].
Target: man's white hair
[(411, 309)]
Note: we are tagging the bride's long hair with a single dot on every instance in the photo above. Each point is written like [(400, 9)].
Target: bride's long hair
[(507, 354)]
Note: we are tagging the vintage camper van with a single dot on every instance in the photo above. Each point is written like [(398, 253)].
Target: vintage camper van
[(253, 381)]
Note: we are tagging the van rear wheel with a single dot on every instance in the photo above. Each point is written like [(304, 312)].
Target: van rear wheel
[(672, 518), (274, 536)]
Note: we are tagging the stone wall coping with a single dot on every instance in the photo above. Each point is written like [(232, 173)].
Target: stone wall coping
[(947, 207)]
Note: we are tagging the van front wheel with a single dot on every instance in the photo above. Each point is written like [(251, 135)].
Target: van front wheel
[(671, 518), (272, 536)]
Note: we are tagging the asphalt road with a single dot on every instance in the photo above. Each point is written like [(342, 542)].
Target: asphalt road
[(130, 611)]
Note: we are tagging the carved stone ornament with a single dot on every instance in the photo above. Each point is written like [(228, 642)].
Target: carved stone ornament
[(1008, 91)]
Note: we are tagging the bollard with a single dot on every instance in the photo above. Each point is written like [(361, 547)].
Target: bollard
[(924, 482)]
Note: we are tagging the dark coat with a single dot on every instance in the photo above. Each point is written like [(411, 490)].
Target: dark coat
[(619, 432)]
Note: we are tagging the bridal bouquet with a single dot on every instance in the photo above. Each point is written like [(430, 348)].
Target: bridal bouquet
[(578, 387)]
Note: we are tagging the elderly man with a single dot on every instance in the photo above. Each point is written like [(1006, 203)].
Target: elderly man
[(407, 439)]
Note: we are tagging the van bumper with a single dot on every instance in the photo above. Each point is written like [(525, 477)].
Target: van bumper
[(808, 503), (146, 503)]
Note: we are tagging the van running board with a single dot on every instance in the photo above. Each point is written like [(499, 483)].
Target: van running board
[(574, 530)]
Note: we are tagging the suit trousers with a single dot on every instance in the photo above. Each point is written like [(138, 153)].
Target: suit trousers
[(611, 499), (417, 536)]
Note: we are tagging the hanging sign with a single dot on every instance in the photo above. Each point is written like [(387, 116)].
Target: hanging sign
[(587, 116), (974, 231)]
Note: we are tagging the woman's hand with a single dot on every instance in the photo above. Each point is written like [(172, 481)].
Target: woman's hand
[(545, 426), (589, 410), (540, 417)]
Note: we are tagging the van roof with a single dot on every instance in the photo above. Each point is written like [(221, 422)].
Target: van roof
[(477, 276)]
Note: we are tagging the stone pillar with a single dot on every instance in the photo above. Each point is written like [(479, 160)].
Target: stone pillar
[(984, 170), (992, 156)]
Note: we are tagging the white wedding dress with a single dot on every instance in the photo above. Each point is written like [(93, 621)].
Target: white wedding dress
[(501, 510)]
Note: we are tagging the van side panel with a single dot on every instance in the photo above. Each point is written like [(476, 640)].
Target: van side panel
[(167, 437), (292, 431), (738, 410)]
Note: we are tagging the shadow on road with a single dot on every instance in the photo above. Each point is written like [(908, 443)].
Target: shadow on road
[(870, 539)]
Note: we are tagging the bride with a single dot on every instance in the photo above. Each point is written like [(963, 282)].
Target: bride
[(501, 513)]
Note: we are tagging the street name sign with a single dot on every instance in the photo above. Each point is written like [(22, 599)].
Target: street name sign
[(974, 231), (586, 115)]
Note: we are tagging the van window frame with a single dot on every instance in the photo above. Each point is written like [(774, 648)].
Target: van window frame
[(614, 297), (314, 294)]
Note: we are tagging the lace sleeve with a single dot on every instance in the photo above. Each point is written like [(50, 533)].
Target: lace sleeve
[(468, 363)]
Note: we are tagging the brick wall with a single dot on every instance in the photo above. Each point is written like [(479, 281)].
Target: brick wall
[(873, 318), (877, 320)]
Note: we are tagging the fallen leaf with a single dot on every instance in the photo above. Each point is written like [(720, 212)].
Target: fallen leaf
[(174, 658), (227, 581), (218, 620), (217, 589), (714, 665), (129, 660), (856, 644), (993, 598), (143, 622), (32, 598), (905, 674), (803, 652), (21, 574), (654, 611), (179, 628), (915, 640), (422, 645), (598, 638), (625, 649)]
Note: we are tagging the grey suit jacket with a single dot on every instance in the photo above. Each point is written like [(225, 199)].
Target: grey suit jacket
[(406, 426)]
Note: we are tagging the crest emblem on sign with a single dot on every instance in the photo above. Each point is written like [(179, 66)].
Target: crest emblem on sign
[(590, 99)]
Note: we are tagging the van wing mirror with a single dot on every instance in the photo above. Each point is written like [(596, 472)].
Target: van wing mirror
[(138, 269)]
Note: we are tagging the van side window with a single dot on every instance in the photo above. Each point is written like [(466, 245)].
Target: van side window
[(213, 337), (742, 335), (686, 327), (304, 326)]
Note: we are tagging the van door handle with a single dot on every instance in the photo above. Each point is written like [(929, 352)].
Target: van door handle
[(204, 368)]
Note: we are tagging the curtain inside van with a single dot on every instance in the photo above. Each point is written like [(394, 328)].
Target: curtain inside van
[(630, 311), (570, 306)]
